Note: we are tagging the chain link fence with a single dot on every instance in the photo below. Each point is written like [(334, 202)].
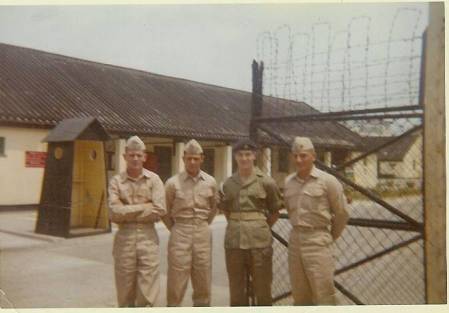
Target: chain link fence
[(359, 100)]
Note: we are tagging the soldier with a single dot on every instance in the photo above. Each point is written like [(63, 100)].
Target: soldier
[(317, 211), (191, 198), (251, 201), (136, 202)]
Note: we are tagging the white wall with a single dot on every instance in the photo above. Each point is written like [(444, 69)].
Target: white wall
[(279, 177), (405, 175), (223, 163), (19, 184), (365, 170), (414, 155)]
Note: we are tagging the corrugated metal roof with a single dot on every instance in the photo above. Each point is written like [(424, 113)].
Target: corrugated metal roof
[(71, 129), (40, 89), (394, 152)]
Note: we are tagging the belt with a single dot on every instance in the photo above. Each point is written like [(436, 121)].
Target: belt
[(301, 228), (135, 225), (247, 216), (189, 220)]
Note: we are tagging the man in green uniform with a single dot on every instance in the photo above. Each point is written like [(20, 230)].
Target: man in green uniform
[(317, 211), (250, 201)]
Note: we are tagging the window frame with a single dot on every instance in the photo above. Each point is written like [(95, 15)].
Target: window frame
[(283, 160), (2, 146)]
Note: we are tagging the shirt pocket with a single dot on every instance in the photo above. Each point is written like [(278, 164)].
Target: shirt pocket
[(144, 193), (203, 197), (180, 199), (257, 192), (313, 198), (257, 196)]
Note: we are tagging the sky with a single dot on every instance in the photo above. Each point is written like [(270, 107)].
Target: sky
[(209, 43)]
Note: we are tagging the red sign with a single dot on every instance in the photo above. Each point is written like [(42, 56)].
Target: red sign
[(35, 158)]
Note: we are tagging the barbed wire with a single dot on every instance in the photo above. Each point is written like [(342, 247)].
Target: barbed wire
[(347, 69), (351, 71)]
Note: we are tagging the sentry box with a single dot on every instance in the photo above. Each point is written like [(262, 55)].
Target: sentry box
[(73, 200)]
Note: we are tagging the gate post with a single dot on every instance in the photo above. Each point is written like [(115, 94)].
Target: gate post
[(256, 98), (434, 158)]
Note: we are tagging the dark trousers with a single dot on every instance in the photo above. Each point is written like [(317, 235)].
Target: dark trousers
[(255, 263)]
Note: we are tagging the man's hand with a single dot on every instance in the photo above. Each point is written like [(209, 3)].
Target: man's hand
[(272, 218), (148, 215), (168, 222)]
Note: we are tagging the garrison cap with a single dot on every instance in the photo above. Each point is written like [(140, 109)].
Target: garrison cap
[(302, 143), (135, 143), (193, 147), (244, 144)]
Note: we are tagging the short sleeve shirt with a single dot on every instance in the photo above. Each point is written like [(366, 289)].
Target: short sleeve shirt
[(190, 197), (313, 202)]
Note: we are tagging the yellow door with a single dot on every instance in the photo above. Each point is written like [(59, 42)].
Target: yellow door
[(89, 208)]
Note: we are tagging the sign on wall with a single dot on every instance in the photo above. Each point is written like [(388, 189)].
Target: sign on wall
[(35, 158)]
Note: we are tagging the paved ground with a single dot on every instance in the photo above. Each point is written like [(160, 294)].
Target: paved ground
[(39, 271)]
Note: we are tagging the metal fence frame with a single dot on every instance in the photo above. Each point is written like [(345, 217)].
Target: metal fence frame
[(407, 223)]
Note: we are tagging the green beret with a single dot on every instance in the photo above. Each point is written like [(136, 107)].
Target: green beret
[(244, 144)]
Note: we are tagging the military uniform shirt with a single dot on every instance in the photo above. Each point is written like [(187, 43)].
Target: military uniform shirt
[(135, 199), (258, 194), (316, 202), (189, 197)]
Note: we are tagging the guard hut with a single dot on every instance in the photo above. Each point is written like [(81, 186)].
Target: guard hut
[(73, 199)]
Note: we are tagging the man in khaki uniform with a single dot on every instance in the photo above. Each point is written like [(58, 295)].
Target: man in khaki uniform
[(317, 211), (191, 198), (136, 202), (251, 201)]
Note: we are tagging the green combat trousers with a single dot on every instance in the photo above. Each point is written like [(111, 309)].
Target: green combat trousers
[(255, 263)]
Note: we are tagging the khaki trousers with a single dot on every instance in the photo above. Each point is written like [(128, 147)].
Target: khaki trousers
[(258, 264), (311, 266), (136, 265), (189, 256)]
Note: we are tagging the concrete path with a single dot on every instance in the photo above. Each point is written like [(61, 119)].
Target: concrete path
[(39, 271)]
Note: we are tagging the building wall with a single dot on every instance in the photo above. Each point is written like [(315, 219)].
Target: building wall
[(222, 169), (365, 171), (279, 176), (407, 173), (411, 166), (223, 154), (387, 168), (19, 140), (20, 185)]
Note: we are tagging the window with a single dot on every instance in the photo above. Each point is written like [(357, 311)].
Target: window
[(320, 154), (58, 153), (339, 157), (2, 146), (385, 170), (209, 160), (164, 160), (283, 160)]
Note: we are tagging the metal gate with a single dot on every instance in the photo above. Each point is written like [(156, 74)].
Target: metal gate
[(380, 256)]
